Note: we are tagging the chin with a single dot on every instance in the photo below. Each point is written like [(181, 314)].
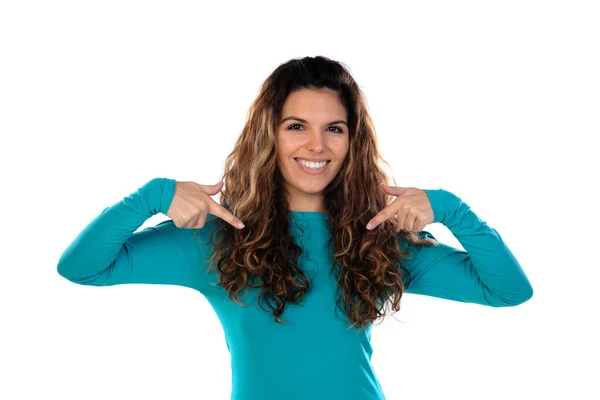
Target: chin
[(311, 189), (316, 185)]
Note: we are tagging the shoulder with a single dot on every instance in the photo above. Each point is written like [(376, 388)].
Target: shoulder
[(406, 244)]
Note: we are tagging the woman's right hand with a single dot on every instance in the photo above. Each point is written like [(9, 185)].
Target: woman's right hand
[(192, 203)]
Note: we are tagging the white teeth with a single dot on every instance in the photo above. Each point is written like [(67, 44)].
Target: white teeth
[(313, 165)]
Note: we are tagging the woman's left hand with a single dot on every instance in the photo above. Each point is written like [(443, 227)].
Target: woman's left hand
[(411, 209)]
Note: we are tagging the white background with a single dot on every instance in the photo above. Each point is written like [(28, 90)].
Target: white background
[(497, 102)]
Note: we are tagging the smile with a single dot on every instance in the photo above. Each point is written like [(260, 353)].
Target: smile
[(312, 168)]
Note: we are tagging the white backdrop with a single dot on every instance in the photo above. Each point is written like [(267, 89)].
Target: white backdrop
[(496, 102)]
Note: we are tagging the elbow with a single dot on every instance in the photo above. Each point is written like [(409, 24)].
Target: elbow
[(63, 270), (522, 298), (73, 275), (64, 266), (526, 295), (514, 299)]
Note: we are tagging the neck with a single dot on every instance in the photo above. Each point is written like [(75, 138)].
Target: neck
[(304, 202), (307, 209)]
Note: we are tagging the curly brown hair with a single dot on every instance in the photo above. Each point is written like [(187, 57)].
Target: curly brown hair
[(263, 255)]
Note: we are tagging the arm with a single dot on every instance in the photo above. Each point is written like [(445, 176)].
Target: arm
[(486, 273), (107, 251)]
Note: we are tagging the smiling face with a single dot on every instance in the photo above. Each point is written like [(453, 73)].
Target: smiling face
[(313, 130)]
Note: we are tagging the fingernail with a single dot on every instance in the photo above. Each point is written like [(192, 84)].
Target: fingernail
[(369, 226), (240, 225)]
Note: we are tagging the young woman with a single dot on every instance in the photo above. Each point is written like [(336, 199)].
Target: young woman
[(321, 252)]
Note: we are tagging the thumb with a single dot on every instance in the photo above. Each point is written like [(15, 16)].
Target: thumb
[(395, 190), (214, 189)]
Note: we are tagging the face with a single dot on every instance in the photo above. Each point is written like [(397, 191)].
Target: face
[(313, 130)]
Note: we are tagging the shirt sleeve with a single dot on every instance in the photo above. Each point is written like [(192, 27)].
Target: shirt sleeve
[(487, 273), (107, 251)]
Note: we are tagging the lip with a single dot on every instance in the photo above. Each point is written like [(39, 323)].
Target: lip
[(312, 171), (311, 159)]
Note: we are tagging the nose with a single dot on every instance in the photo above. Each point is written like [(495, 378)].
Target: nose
[(315, 141)]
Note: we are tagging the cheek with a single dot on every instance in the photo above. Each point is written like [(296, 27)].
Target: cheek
[(284, 147), (283, 160), (280, 165), (342, 149)]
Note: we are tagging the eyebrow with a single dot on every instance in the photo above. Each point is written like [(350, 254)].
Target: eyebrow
[(306, 122)]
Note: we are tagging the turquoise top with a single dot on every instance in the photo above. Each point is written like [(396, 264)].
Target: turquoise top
[(314, 355)]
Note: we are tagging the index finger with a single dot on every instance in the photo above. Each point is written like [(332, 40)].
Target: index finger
[(224, 214), (381, 216)]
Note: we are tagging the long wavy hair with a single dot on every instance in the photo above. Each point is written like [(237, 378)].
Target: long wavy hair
[(263, 255)]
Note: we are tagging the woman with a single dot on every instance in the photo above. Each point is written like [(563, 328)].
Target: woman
[(318, 236)]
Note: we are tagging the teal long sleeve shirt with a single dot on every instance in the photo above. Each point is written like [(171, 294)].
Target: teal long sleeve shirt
[(314, 355)]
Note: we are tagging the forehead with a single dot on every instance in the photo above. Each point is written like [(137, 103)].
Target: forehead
[(314, 102)]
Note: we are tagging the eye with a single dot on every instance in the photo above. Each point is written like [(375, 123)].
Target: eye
[(337, 129)]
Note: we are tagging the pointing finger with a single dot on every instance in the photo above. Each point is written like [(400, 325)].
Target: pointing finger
[(225, 215), (379, 218)]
